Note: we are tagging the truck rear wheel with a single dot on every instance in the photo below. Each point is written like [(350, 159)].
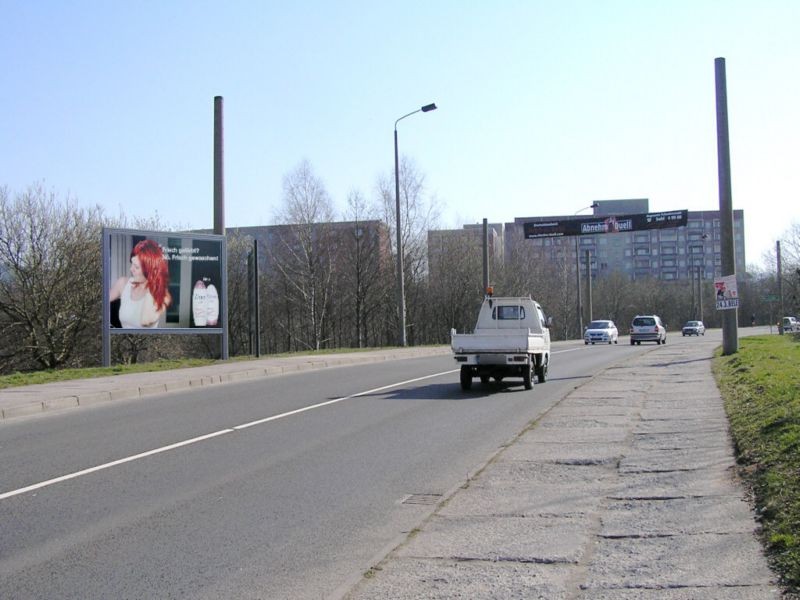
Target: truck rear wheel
[(527, 376), (466, 378), (541, 370)]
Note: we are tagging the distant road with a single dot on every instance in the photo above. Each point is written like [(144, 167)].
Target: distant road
[(277, 488)]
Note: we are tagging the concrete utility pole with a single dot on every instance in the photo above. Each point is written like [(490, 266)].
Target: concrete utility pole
[(219, 205), (730, 328), (219, 182), (485, 256)]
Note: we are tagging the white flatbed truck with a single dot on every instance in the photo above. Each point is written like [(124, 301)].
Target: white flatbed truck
[(511, 339)]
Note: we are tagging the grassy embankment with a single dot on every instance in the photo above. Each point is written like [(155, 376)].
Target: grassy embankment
[(50, 376), (761, 388)]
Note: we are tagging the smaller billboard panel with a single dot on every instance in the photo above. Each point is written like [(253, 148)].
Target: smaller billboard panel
[(727, 292)]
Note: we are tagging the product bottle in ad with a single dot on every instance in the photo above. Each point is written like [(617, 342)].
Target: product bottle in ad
[(212, 305), (199, 304)]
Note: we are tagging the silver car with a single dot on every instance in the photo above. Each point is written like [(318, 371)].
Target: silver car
[(600, 332), (648, 328), (790, 324), (693, 328)]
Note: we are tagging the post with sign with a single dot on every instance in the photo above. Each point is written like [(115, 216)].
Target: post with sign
[(730, 331)]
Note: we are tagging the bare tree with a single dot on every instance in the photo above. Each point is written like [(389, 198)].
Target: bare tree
[(455, 285), (50, 295), (240, 248), (365, 278), (418, 214), (303, 252)]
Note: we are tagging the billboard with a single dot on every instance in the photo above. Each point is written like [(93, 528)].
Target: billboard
[(163, 282), (604, 224)]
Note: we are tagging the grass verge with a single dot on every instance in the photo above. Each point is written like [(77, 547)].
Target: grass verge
[(760, 385), (53, 375)]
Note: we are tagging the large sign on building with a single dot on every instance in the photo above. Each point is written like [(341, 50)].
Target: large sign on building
[(604, 224)]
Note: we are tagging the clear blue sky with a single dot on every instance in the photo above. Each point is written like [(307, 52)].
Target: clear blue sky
[(543, 106)]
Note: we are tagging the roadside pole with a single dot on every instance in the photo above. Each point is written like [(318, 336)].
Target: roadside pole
[(730, 333)]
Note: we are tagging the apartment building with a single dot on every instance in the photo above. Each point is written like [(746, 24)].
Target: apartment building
[(669, 254)]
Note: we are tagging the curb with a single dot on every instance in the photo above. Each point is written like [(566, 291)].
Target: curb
[(186, 379)]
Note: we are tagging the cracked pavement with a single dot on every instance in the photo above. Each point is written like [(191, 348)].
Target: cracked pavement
[(625, 489)]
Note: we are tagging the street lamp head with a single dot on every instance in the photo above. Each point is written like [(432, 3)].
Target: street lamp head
[(594, 205), (428, 107)]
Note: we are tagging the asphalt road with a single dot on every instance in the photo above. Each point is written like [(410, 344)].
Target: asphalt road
[(280, 488)]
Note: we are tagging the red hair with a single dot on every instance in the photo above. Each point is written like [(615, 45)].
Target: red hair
[(155, 270)]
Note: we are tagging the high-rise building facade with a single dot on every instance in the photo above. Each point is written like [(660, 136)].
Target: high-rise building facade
[(667, 254)]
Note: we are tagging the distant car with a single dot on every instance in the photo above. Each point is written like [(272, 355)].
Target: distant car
[(790, 324), (600, 332), (694, 328), (648, 328)]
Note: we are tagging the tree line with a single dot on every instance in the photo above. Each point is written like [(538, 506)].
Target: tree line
[(327, 281)]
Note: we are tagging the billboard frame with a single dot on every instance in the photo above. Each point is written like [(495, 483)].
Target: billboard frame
[(108, 331)]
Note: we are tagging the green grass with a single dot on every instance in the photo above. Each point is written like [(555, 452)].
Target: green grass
[(50, 376), (760, 385)]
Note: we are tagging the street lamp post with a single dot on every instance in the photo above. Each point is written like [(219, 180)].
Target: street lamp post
[(401, 293), (578, 273), (700, 269)]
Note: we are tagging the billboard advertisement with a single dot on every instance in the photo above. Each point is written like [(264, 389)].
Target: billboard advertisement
[(605, 224), (156, 281), (727, 292)]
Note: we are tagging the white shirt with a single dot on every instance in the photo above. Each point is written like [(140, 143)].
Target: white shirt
[(130, 310)]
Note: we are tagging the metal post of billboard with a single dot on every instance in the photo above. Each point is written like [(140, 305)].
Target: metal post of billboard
[(730, 333), (106, 327), (256, 310)]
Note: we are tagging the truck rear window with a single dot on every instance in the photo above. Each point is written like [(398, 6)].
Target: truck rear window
[(508, 313)]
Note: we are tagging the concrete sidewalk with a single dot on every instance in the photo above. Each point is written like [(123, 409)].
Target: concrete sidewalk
[(36, 399), (625, 489)]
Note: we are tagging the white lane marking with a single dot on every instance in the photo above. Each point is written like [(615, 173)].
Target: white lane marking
[(334, 401), (208, 436), (114, 463)]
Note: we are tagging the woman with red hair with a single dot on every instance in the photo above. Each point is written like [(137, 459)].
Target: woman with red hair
[(144, 295)]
